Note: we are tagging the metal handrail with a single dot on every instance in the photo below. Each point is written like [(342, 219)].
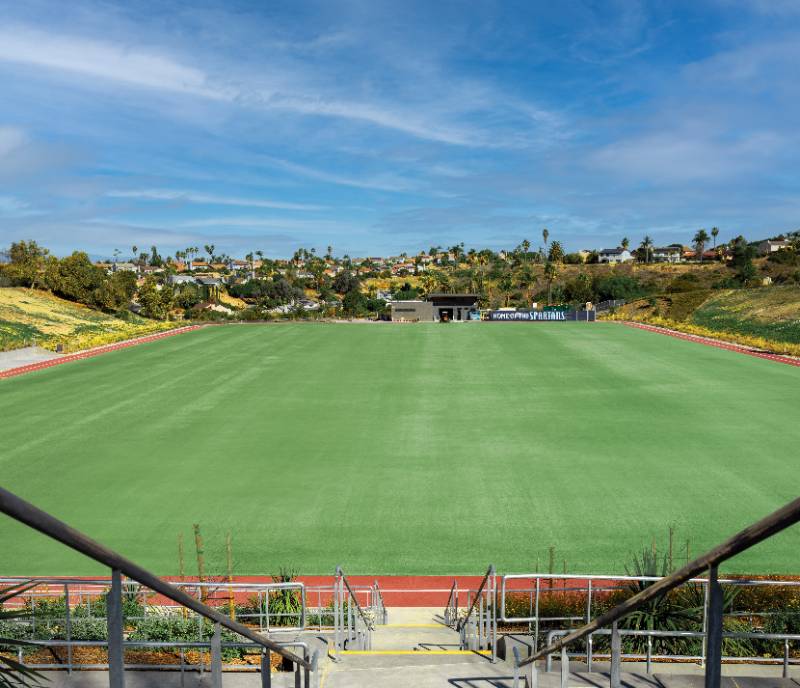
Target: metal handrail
[(361, 613), (450, 614), (382, 605), (768, 526), (461, 623), (35, 518)]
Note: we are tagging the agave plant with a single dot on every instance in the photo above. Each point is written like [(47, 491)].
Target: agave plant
[(285, 604), (672, 611), (13, 674), (678, 610)]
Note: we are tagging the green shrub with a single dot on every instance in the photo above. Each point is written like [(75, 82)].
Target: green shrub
[(176, 628)]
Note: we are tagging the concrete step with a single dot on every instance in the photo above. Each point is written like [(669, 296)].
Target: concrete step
[(688, 681), (420, 670), (414, 628)]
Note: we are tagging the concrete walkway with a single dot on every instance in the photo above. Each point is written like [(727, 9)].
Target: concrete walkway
[(22, 357)]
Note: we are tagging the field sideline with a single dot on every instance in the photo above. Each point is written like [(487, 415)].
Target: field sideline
[(418, 449)]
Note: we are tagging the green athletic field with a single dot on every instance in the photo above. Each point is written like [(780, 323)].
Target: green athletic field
[(402, 449)]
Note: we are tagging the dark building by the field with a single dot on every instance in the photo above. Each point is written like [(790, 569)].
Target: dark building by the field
[(436, 307)]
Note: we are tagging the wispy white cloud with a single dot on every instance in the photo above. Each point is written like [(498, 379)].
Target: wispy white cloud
[(104, 60), (380, 182), (270, 223), (173, 195), (286, 89)]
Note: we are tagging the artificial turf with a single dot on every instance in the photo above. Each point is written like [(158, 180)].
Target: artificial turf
[(410, 449)]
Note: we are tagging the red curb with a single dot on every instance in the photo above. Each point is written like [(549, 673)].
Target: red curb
[(714, 342), (96, 351)]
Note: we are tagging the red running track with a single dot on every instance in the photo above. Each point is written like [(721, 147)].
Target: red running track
[(715, 342), (397, 591), (88, 353)]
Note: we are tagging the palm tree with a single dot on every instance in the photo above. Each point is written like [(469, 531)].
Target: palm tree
[(647, 246), (506, 286), (556, 254), (210, 251), (135, 251), (428, 282), (545, 235), (550, 273), (625, 243), (442, 282), (526, 279), (715, 234), (700, 241)]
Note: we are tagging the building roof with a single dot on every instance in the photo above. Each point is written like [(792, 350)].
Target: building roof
[(612, 251), (438, 295)]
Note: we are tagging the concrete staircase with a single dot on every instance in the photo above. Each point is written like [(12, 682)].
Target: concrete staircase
[(415, 649)]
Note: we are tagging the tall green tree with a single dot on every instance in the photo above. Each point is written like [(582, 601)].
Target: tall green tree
[(715, 234), (647, 247), (27, 263), (700, 240), (742, 260), (545, 236), (156, 299), (556, 253), (625, 243), (550, 274)]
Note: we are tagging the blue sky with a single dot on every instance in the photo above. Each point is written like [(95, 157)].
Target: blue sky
[(378, 127)]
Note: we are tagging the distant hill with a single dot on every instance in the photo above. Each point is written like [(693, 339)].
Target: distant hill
[(32, 316)]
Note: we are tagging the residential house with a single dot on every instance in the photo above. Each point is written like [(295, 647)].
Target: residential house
[(181, 279), (614, 255), (773, 245), (667, 254)]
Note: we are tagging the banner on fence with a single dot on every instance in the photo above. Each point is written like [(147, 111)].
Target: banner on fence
[(539, 316)]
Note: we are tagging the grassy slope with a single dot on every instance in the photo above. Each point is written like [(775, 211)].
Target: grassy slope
[(27, 315), (416, 449), (773, 312)]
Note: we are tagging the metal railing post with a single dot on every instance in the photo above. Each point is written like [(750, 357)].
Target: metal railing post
[(714, 632), (336, 639), (588, 620), (266, 669), (536, 614), (704, 648), (649, 653), (589, 648), (68, 624), (216, 657), (564, 668), (481, 622), (494, 615), (116, 657), (455, 615), (616, 652), (786, 658)]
